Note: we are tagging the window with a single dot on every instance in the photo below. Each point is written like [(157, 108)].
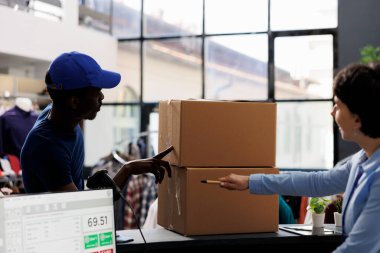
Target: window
[(304, 140), (239, 16), (47, 9), (303, 14), (303, 67), (236, 67), (172, 69), (262, 50), (113, 128), (96, 14)]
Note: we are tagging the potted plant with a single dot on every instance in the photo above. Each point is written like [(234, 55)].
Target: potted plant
[(317, 207), (370, 55), (338, 214)]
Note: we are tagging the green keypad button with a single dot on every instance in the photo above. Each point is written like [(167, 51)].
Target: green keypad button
[(105, 238), (91, 241)]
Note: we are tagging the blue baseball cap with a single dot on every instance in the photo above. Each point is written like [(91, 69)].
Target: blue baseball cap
[(75, 70)]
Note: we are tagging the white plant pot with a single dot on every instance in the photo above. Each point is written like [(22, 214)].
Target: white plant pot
[(338, 219), (318, 219)]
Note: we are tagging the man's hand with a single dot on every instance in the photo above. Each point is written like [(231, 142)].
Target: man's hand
[(151, 165), (163, 153), (234, 182)]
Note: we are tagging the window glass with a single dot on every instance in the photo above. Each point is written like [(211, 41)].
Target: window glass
[(101, 6), (304, 67), (126, 20), (153, 132), (304, 139), (303, 14), (95, 14), (51, 10), (118, 125), (226, 16), (172, 69), (236, 67), (235, 64), (172, 17), (128, 65)]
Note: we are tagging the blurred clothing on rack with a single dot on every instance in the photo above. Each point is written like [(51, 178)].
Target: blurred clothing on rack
[(140, 192)]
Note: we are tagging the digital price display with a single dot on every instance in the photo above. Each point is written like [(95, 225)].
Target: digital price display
[(97, 221), (75, 222)]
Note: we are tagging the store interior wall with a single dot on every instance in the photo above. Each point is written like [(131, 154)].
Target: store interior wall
[(32, 37), (36, 42), (359, 25)]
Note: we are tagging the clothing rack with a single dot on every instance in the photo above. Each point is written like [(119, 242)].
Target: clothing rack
[(118, 158), (11, 177), (134, 139)]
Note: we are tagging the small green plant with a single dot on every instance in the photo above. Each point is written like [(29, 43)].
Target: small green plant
[(338, 204), (370, 54), (318, 205)]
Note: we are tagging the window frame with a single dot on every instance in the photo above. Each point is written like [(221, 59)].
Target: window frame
[(147, 107)]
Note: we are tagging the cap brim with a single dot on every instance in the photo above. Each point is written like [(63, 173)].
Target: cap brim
[(107, 80)]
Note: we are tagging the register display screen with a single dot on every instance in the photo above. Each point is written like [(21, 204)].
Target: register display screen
[(81, 221)]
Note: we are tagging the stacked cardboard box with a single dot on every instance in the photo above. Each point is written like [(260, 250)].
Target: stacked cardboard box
[(212, 139)]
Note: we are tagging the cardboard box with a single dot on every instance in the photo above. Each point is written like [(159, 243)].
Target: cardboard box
[(189, 207), (218, 133)]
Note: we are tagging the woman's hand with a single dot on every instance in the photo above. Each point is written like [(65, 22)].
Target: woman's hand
[(234, 182)]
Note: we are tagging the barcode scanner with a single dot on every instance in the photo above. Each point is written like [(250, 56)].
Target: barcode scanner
[(101, 179)]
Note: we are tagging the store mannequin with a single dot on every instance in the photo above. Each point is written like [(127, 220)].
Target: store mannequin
[(15, 125), (24, 104)]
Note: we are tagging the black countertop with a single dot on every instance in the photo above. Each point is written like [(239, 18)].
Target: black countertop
[(163, 240)]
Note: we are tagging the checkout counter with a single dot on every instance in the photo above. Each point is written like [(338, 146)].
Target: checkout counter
[(296, 239)]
